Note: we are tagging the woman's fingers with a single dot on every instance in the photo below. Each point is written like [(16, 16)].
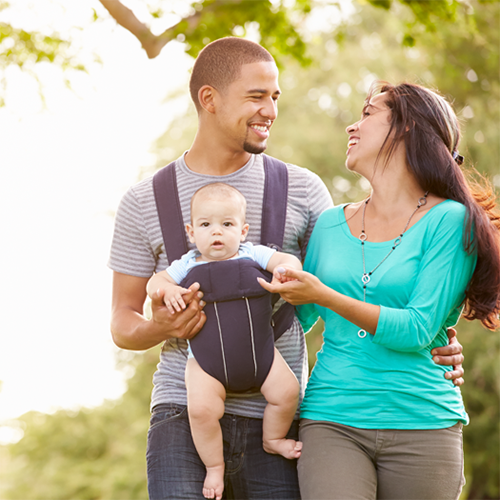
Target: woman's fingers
[(269, 286), (291, 273)]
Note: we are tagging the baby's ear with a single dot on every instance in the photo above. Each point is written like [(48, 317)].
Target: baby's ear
[(244, 232), (190, 232)]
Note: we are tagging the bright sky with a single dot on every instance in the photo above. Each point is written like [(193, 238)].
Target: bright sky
[(64, 168)]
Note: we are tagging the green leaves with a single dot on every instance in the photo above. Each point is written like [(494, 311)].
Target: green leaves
[(221, 18), (430, 16), (22, 47), (278, 23)]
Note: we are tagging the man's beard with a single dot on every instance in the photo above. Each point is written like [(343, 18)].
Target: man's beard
[(254, 148)]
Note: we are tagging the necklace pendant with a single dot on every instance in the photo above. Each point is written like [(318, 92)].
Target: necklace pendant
[(362, 334), (365, 278), (422, 201)]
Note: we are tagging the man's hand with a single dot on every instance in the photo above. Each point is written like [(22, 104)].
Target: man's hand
[(130, 328), (183, 324), (451, 354)]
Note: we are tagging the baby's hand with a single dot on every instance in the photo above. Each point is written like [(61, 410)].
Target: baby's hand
[(173, 299), (279, 277)]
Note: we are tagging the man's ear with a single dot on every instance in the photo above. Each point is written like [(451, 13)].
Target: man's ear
[(244, 232), (190, 232), (206, 96)]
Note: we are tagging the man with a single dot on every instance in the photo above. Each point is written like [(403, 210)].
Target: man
[(234, 85)]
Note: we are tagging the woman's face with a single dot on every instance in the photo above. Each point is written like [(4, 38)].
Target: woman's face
[(367, 135)]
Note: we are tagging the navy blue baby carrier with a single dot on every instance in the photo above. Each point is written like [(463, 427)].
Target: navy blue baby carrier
[(236, 344)]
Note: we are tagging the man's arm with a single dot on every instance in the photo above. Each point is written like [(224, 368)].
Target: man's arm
[(132, 330)]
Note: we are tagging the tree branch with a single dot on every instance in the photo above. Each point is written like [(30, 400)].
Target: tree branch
[(152, 44)]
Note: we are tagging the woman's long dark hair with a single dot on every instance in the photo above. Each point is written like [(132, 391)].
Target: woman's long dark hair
[(429, 128)]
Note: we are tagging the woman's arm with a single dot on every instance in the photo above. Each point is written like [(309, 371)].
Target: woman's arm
[(445, 271), (306, 288), (445, 268)]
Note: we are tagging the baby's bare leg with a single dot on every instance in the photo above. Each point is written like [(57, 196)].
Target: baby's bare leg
[(206, 396), (281, 391)]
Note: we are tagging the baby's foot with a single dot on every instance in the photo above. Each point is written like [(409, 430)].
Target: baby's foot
[(214, 482), (288, 448)]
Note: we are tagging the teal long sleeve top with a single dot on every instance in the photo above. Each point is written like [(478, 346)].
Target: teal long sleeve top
[(388, 380)]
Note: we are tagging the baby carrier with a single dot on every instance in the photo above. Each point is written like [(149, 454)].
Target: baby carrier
[(236, 344)]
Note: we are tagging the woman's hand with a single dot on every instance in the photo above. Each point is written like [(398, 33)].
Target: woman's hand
[(280, 275), (296, 287), (307, 289)]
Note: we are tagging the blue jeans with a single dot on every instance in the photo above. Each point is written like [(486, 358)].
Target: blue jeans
[(176, 472)]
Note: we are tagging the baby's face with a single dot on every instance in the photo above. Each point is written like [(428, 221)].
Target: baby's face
[(218, 227)]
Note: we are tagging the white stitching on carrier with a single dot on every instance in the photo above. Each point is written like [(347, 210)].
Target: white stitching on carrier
[(221, 343), (251, 336)]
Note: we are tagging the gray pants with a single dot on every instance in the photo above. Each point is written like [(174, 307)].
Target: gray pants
[(345, 463)]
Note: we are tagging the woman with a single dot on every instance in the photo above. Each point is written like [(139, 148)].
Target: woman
[(388, 275)]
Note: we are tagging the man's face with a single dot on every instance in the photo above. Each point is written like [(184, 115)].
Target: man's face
[(218, 227), (247, 108)]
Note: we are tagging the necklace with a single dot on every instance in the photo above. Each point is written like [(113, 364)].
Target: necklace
[(365, 279)]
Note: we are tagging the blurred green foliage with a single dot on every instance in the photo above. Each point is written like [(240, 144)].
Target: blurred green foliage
[(98, 454), (90, 454), (226, 18), (25, 49), (20, 47), (278, 22)]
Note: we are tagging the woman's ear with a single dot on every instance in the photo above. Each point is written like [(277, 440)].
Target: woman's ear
[(410, 127)]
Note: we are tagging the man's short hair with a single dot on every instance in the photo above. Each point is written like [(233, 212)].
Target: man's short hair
[(219, 63)]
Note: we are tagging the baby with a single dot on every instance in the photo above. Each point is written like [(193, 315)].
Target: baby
[(218, 230)]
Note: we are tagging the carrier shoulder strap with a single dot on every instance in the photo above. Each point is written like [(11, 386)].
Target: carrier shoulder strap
[(272, 231), (274, 206), (274, 203), (169, 212)]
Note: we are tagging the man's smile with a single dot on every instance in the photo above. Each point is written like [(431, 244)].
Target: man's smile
[(261, 130)]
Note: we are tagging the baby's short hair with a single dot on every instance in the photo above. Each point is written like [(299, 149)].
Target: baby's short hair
[(220, 190)]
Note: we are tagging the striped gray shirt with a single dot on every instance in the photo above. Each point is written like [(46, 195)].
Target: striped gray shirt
[(137, 250)]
